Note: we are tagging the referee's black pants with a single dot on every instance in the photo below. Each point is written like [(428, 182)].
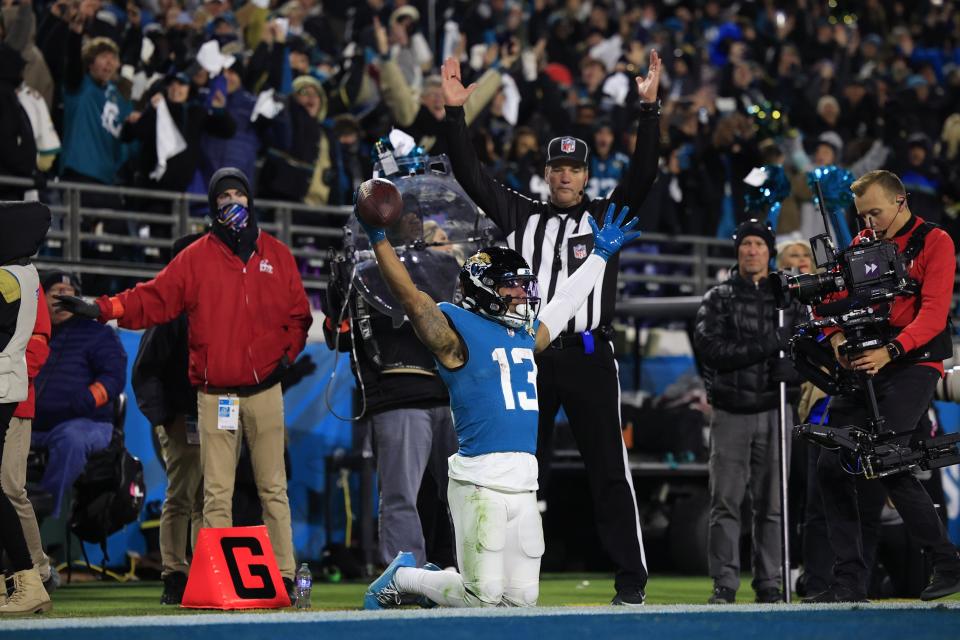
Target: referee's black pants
[(588, 388), (903, 395)]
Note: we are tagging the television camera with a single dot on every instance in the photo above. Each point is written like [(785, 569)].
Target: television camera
[(868, 276)]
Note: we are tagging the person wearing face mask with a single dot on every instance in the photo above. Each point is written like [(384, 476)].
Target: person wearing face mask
[(578, 370), (248, 317)]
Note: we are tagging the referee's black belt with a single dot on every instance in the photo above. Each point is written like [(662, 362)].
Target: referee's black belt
[(579, 340)]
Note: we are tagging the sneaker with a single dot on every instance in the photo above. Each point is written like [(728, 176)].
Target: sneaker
[(423, 601), (770, 595), (836, 593), (722, 595), (174, 584), (629, 597), (382, 592), (942, 583), (52, 581), (291, 588)]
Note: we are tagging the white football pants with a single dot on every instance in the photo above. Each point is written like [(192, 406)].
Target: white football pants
[(499, 545)]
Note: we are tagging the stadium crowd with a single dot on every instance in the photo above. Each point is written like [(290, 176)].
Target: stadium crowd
[(161, 93)]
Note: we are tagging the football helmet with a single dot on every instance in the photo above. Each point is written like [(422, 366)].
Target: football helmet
[(491, 269)]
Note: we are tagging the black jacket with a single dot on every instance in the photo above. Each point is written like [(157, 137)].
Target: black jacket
[(736, 341), (159, 378)]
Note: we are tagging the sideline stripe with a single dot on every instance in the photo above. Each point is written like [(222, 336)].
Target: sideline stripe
[(874, 621)]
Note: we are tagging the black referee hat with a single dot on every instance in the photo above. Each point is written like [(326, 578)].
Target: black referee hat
[(568, 149)]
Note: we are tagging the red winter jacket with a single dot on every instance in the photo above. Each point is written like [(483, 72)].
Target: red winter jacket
[(243, 318), (37, 351), (918, 319)]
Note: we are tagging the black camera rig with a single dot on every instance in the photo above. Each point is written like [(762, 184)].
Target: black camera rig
[(872, 273)]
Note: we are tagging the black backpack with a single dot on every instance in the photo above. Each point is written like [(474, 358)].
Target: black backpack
[(108, 495)]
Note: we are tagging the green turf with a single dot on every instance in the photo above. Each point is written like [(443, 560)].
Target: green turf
[(142, 598)]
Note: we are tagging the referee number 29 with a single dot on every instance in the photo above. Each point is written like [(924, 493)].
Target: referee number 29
[(527, 402)]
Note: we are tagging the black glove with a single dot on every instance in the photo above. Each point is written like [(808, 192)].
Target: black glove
[(778, 341), (77, 306), (300, 369), (783, 370)]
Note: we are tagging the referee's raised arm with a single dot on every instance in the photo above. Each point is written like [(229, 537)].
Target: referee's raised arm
[(507, 208), (634, 186)]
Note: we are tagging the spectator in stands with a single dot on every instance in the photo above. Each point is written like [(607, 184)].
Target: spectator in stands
[(16, 449), (94, 110), (922, 178), (18, 151), (165, 396), (607, 164), (738, 343), (19, 28), (168, 115), (303, 164), (423, 119), (76, 388), (248, 317), (241, 148)]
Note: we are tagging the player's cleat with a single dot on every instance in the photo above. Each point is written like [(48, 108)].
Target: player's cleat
[(722, 595), (943, 583), (770, 595), (629, 597), (424, 601), (835, 593), (382, 592)]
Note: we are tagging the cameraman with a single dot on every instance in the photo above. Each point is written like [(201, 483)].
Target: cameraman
[(738, 342), (905, 374), (408, 421)]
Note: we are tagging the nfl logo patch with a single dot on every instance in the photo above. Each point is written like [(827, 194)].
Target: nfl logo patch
[(579, 251), (568, 145)]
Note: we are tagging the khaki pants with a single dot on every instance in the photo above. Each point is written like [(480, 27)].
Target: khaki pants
[(13, 477), (182, 514), (261, 423)]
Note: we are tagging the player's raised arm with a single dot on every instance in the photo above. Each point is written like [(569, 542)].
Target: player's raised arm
[(428, 321), (574, 291)]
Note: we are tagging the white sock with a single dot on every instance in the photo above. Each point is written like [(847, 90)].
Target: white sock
[(443, 587)]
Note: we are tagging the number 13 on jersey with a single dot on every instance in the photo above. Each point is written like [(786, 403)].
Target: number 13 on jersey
[(527, 401)]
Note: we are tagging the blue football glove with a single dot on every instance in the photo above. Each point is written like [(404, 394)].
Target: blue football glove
[(613, 236), (375, 234)]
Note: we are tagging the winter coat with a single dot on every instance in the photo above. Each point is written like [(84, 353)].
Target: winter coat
[(84, 373), (737, 344)]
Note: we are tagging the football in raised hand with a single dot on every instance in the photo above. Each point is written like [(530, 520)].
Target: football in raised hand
[(379, 203)]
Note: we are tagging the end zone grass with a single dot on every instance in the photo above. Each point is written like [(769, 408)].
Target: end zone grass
[(143, 598), (95, 599)]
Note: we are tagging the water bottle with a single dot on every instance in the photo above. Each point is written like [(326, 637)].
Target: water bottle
[(304, 583)]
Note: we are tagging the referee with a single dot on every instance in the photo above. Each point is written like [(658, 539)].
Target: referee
[(579, 371)]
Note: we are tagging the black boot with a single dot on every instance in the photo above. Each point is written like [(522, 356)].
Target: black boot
[(173, 587)]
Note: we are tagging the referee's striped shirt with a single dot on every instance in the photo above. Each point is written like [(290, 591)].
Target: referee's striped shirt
[(555, 241)]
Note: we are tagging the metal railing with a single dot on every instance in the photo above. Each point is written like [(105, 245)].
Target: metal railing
[(688, 264), (291, 222)]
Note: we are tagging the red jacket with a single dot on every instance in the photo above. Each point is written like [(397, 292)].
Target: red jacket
[(37, 351), (920, 318), (243, 318)]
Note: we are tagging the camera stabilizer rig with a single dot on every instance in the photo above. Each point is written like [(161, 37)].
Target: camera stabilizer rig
[(873, 273)]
